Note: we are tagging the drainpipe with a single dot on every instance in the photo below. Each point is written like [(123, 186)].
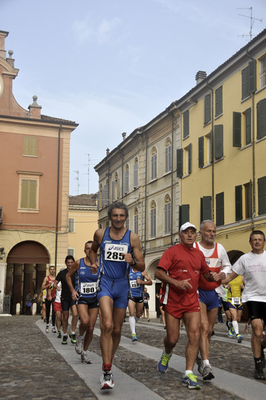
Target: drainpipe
[(253, 163), (172, 179), (145, 197), (57, 194), (212, 147)]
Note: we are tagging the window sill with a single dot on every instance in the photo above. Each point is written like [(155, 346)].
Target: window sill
[(218, 160), (206, 166), (167, 173), (218, 116), (153, 180), (28, 210), (245, 147)]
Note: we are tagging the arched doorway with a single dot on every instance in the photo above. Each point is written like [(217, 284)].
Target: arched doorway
[(151, 272), (26, 268)]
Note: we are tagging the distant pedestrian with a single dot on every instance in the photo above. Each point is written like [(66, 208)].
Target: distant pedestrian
[(48, 284), (146, 305), (28, 303)]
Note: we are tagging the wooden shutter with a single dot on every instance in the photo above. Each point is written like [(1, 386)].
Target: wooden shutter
[(248, 126), (252, 76), (262, 195), (218, 141), (201, 151), (28, 194), (189, 158), (205, 208), (238, 203), (245, 83), (186, 124), (136, 173), (183, 214), (261, 119), (207, 108), (236, 129), (218, 101), (220, 209), (179, 163)]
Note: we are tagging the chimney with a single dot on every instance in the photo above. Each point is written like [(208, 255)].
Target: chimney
[(107, 151), (34, 108), (200, 76), (3, 35), (124, 135)]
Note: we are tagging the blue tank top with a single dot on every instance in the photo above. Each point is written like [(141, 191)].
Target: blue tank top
[(112, 261), (136, 290), (86, 280)]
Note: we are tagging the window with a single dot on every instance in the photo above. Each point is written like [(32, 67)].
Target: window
[(262, 72), (249, 80), (218, 101), (168, 156), (220, 209), (136, 221), (218, 142), (179, 163), (202, 142), (153, 164), (205, 208), (153, 219), (136, 173), (247, 116), (207, 109), (167, 215), (238, 203), (28, 196), (188, 153), (105, 194), (186, 124), (30, 146), (127, 223), (261, 119), (183, 214), (209, 149), (71, 225), (126, 174), (262, 195), (71, 252)]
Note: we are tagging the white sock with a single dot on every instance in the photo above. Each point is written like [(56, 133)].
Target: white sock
[(187, 371), (205, 362), (236, 328), (132, 323)]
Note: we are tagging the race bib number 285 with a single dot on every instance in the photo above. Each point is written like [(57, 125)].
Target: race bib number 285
[(115, 252)]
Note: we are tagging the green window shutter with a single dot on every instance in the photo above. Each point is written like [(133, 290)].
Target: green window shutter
[(28, 194), (179, 163), (183, 214), (205, 208), (262, 195), (236, 129), (201, 151), (218, 142), (185, 124), (32, 194), (238, 203), (24, 193), (30, 146), (189, 158), (245, 82), (252, 76), (218, 101), (250, 200), (207, 108), (261, 119), (248, 126), (220, 209)]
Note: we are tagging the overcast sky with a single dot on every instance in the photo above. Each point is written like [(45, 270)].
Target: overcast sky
[(113, 65)]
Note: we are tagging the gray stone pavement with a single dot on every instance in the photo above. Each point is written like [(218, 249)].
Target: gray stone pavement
[(34, 365)]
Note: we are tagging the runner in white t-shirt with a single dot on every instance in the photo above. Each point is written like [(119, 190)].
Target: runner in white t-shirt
[(253, 267)]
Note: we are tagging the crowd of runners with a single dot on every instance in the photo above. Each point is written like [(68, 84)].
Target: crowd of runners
[(196, 277)]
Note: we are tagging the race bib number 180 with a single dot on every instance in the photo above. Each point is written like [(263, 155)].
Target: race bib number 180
[(115, 252), (88, 287)]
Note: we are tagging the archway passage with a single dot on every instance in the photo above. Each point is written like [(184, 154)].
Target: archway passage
[(26, 268)]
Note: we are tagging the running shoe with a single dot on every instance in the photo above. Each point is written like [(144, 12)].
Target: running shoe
[(64, 340), (207, 373), (85, 358), (79, 344), (239, 338), (53, 329), (231, 328), (199, 363), (134, 337), (73, 338), (231, 334), (190, 381), (47, 329), (59, 335), (259, 374), (163, 363), (107, 381)]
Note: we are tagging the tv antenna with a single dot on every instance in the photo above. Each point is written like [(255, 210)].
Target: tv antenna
[(77, 178), (88, 173), (252, 20)]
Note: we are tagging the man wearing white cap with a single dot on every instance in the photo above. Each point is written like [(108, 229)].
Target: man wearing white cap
[(179, 269)]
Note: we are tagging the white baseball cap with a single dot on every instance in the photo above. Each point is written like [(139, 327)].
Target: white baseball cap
[(187, 225)]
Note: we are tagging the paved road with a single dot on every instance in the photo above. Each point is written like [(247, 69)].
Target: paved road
[(34, 365)]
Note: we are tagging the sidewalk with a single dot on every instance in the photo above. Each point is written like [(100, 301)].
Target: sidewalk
[(34, 365)]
